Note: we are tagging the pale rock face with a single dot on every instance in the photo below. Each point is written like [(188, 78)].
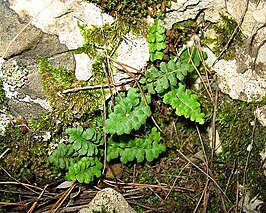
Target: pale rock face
[(137, 51), (183, 10), (254, 17), (245, 86), (60, 18)]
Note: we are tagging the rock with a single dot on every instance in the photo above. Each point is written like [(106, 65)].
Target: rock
[(182, 10), (243, 77), (110, 200), (18, 70), (10, 26), (245, 85), (62, 22), (60, 18), (260, 114)]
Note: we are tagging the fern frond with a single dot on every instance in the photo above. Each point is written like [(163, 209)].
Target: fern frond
[(130, 149), (185, 103), (129, 113), (84, 142), (168, 75), (84, 170), (156, 39), (63, 156)]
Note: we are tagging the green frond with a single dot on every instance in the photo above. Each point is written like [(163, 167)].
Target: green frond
[(185, 103)]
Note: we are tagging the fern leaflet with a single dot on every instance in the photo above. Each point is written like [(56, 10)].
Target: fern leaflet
[(85, 170), (131, 111), (185, 103), (140, 148)]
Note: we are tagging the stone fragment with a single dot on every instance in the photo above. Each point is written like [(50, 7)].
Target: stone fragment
[(260, 114), (110, 200)]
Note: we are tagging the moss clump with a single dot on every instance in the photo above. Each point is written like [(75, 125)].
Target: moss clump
[(235, 122), (27, 155), (223, 32), (108, 36), (72, 106), (132, 11), (2, 95)]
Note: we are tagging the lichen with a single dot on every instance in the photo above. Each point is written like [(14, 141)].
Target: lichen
[(12, 74)]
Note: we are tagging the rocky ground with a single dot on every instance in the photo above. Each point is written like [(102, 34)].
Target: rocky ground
[(216, 167)]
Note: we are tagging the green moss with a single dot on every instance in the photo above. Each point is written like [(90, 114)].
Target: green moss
[(223, 32), (131, 11), (27, 156), (235, 126), (69, 107), (186, 27), (2, 95), (108, 36)]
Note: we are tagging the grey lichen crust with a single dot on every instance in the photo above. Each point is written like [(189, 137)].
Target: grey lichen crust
[(12, 75)]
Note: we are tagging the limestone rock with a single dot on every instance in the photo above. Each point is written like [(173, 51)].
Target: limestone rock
[(182, 10), (110, 200), (245, 86), (18, 70), (260, 114), (60, 18)]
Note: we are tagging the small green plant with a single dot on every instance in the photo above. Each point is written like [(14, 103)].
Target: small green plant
[(80, 156), (156, 40), (129, 148), (129, 135), (131, 111)]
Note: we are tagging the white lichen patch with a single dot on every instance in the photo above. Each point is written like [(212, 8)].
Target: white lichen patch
[(12, 74), (13, 77), (5, 120), (42, 102)]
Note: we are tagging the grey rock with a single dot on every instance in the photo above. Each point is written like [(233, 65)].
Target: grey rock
[(10, 26), (110, 200), (182, 10), (20, 43)]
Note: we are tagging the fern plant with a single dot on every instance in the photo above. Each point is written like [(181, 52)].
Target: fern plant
[(156, 39), (83, 153), (129, 149), (81, 156), (130, 111)]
